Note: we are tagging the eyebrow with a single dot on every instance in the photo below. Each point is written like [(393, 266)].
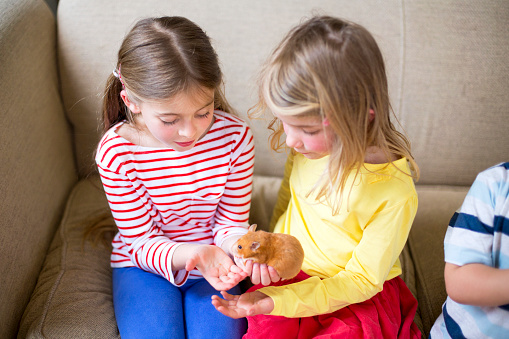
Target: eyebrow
[(199, 109)]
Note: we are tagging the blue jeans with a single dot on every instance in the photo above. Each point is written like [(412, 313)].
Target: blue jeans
[(149, 306)]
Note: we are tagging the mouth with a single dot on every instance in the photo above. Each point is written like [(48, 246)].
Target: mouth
[(185, 144)]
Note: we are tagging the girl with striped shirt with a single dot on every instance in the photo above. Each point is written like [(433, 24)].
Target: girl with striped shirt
[(177, 172)]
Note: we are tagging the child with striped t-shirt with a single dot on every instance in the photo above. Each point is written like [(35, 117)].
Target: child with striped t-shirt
[(177, 172), (476, 249)]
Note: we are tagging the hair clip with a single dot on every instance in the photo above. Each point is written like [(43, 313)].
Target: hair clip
[(118, 75)]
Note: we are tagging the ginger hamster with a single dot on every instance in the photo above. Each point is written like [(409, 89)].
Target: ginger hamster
[(281, 251)]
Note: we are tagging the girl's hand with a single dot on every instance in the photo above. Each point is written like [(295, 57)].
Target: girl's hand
[(259, 273), (245, 305), (216, 266)]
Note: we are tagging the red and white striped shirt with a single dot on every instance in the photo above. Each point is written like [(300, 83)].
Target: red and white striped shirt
[(161, 198)]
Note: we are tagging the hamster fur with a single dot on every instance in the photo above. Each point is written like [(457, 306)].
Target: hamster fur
[(281, 251)]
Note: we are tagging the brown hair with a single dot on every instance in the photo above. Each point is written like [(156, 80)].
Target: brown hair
[(333, 69), (159, 58)]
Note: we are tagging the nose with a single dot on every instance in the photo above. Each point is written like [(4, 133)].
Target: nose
[(292, 139), (188, 129)]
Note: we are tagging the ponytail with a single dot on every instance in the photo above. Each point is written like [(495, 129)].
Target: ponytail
[(114, 109)]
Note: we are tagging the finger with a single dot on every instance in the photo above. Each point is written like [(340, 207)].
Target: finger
[(236, 278), (236, 269), (274, 276), (264, 275), (191, 263), (255, 274), (220, 285), (228, 296), (249, 267), (225, 279)]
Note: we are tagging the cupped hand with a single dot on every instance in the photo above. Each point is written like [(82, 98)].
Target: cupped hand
[(216, 267), (259, 273), (244, 305)]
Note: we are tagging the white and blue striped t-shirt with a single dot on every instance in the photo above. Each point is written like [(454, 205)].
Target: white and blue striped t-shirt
[(478, 233)]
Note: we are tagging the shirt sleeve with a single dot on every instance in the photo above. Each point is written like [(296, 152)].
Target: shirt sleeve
[(284, 194), (232, 216), (364, 274), (469, 237), (148, 247)]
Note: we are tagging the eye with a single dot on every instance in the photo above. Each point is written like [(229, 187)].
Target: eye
[(240, 247), (312, 132), (204, 116), (169, 122)]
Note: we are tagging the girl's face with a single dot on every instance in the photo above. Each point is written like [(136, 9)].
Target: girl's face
[(309, 135), (179, 122)]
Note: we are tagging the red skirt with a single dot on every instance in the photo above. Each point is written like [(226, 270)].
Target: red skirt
[(389, 314)]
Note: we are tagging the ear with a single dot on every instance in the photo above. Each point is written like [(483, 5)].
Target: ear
[(131, 105), (252, 228), (371, 115), (325, 122), (255, 245)]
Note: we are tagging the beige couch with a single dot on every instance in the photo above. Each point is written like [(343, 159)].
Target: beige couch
[(448, 72)]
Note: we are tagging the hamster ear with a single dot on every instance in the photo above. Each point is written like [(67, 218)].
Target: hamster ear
[(252, 228), (255, 245)]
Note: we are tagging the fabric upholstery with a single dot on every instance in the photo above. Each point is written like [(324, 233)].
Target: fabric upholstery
[(75, 282), (37, 165), (451, 52), (425, 247), (74, 288), (453, 101), (448, 77), (243, 35)]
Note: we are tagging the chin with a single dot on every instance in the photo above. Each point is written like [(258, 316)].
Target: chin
[(313, 156)]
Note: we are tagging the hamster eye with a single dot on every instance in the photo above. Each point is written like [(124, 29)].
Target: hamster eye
[(240, 247)]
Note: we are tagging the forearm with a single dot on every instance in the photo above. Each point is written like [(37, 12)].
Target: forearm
[(315, 296), (477, 284)]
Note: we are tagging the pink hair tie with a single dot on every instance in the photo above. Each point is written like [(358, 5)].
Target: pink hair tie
[(118, 75)]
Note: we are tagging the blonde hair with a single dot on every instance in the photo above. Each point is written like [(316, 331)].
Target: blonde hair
[(159, 58), (332, 68)]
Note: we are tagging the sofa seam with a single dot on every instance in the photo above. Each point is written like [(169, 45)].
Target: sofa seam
[(402, 56)]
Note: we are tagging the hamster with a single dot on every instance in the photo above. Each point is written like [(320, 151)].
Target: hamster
[(281, 251)]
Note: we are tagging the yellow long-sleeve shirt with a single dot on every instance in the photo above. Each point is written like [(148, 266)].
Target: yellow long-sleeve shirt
[(352, 253)]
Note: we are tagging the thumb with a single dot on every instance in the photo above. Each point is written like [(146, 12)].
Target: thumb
[(191, 263)]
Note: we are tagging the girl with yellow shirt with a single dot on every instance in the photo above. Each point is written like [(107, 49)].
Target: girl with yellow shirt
[(348, 192)]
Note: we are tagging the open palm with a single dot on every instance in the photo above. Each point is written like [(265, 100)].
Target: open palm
[(244, 305), (216, 267)]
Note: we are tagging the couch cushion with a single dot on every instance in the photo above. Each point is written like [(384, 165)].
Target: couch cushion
[(75, 283), (449, 96), (425, 249), (37, 168), (73, 297), (90, 33)]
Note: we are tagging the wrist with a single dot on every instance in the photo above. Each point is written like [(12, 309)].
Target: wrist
[(182, 253)]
